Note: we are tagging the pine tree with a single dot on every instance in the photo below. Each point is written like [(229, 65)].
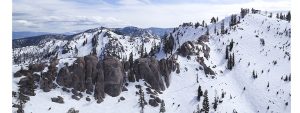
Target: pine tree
[(162, 107), (142, 50), (142, 99), (233, 62), (131, 60), (288, 16), (226, 53), (222, 27), (200, 93), (207, 31), (205, 103), (76, 50), (213, 20), (215, 30), (215, 104), (197, 25)]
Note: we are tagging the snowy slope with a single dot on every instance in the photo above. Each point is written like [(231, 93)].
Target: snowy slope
[(180, 96)]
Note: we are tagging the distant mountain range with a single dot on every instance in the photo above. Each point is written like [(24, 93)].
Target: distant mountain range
[(130, 31)]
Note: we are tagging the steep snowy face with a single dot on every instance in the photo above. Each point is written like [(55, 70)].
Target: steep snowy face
[(238, 64), (97, 41), (251, 60)]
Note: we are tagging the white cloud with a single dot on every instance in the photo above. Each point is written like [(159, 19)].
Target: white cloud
[(133, 2), (24, 23)]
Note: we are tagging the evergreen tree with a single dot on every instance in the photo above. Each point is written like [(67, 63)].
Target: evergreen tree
[(222, 27), (233, 60), (168, 44), (207, 31), (142, 99), (226, 53), (288, 16), (162, 107), (213, 20), (131, 60), (142, 50), (215, 104), (215, 30), (205, 103), (200, 93), (197, 25)]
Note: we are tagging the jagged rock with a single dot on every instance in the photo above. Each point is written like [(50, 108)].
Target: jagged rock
[(88, 99), (124, 89), (75, 92), (148, 69), (186, 49), (66, 90), (58, 99), (206, 50), (99, 86), (91, 71), (75, 97), (152, 96), (113, 76), (207, 70), (72, 110), (153, 103), (157, 99), (64, 77), (165, 67), (122, 98), (78, 74)]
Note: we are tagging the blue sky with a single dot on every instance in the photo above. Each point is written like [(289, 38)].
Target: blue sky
[(73, 15)]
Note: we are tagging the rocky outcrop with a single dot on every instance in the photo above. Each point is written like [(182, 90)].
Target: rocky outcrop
[(58, 99), (64, 77), (153, 102), (113, 76), (205, 49), (186, 49), (148, 69), (165, 70), (90, 75), (91, 72), (207, 70), (99, 86), (47, 78)]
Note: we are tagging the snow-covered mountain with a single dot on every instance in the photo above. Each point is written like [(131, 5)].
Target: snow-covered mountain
[(238, 64)]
